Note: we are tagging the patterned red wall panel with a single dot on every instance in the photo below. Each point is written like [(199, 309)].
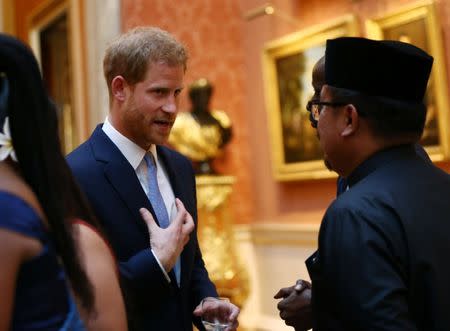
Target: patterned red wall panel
[(212, 31), (227, 50)]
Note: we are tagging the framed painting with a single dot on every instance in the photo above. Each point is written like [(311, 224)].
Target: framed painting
[(287, 66), (418, 24)]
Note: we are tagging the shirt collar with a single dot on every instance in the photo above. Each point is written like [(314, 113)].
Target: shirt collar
[(132, 152), (379, 159)]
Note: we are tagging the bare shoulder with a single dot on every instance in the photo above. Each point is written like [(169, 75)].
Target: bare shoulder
[(88, 234), (90, 240), (101, 268)]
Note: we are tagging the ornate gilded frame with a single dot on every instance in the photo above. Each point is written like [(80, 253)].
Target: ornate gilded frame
[(295, 151), (419, 25), (75, 124)]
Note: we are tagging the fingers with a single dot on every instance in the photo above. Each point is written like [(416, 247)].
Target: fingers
[(220, 310), (234, 313), (186, 220), (188, 225), (180, 206), (182, 219), (284, 315), (181, 214), (202, 307), (282, 305), (179, 203), (284, 292), (148, 218), (301, 285), (198, 310), (287, 314), (233, 327)]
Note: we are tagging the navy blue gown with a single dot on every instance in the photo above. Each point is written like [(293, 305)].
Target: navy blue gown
[(42, 299)]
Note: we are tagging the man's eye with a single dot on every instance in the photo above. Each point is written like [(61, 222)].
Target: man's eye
[(159, 92)]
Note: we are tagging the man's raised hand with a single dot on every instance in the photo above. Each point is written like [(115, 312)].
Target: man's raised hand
[(168, 243)]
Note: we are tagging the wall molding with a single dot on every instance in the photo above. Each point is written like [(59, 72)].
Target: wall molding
[(278, 234)]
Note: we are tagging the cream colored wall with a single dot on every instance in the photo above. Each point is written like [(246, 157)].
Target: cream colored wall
[(274, 255), (102, 25)]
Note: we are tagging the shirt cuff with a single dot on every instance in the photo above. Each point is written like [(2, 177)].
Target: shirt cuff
[(160, 265)]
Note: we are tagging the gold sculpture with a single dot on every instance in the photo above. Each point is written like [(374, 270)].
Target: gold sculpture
[(217, 240), (201, 135)]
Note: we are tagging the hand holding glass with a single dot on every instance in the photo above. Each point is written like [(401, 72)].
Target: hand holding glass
[(216, 312)]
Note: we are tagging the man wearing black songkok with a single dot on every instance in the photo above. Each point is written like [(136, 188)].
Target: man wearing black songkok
[(382, 258)]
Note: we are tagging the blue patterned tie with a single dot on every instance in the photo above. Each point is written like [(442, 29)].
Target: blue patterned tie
[(157, 202)]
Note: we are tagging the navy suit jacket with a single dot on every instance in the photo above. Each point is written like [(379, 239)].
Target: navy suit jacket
[(116, 195)]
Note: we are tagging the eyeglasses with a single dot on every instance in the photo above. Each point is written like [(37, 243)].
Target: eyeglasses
[(316, 107)]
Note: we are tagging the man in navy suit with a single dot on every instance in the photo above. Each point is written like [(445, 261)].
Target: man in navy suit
[(144, 193)]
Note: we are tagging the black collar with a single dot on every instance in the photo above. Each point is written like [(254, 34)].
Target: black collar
[(379, 159)]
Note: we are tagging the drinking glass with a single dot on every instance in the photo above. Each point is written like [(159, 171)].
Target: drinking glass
[(215, 314)]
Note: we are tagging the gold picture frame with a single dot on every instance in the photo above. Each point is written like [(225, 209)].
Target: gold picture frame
[(287, 67), (56, 39), (418, 24)]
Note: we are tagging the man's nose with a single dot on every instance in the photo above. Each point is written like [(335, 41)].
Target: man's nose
[(170, 106)]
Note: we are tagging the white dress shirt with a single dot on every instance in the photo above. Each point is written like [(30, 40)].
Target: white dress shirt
[(135, 156)]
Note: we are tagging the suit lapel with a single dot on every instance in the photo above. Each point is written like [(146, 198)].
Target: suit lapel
[(121, 176), (128, 187), (175, 174), (124, 181)]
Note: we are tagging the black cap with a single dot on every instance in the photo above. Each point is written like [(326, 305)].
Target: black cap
[(386, 68)]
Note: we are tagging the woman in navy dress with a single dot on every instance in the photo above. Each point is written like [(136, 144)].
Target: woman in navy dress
[(41, 271)]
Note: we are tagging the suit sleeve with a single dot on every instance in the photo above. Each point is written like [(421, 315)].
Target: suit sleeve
[(201, 285), (143, 274), (363, 256)]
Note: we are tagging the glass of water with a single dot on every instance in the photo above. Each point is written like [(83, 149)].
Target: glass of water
[(215, 314)]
